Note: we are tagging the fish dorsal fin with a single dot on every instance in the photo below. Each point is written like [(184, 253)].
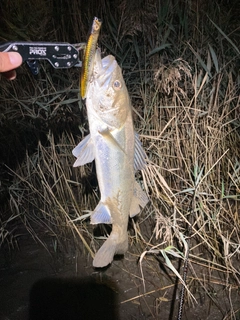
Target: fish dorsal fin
[(140, 199), (139, 155), (84, 152)]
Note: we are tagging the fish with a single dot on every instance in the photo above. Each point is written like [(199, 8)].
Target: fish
[(118, 154), (88, 56)]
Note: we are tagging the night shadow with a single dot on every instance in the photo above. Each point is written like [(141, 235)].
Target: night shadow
[(73, 299)]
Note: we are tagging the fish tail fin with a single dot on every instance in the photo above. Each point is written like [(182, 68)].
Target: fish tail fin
[(111, 246)]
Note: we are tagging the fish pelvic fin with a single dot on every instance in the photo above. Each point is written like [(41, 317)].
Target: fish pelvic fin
[(101, 214), (113, 245), (140, 199), (106, 134)]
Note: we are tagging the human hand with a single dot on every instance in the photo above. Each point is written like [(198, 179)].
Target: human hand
[(8, 62)]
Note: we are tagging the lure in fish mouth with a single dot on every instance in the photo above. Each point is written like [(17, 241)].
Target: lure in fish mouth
[(89, 55), (117, 152)]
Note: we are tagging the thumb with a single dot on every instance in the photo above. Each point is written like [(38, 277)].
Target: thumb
[(9, 61)]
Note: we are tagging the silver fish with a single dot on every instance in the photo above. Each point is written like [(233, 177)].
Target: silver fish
[(118, 153)]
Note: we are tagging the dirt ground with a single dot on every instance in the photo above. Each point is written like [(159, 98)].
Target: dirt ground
[(41, 284)]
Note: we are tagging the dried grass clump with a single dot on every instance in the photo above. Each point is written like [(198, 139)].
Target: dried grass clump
[(46, 190), (194, 167)]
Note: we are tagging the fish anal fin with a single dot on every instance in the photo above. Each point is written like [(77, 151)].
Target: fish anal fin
[(84, 152), (101, 214)]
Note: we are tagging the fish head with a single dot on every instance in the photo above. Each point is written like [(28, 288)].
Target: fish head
[(107, 94)]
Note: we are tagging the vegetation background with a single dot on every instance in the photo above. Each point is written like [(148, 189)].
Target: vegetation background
[(180, 60)]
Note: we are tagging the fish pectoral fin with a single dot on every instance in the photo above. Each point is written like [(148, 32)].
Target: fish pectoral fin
[(101, 214), (139, 155), (106, 134), (84, 152), (140, 199)]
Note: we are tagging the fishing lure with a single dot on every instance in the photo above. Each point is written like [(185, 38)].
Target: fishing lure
[(88, 57)]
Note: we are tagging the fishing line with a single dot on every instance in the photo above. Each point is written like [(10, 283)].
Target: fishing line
[(185, 270), (185, 266)]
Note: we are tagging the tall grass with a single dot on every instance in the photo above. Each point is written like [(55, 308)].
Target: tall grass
[(180, 61)]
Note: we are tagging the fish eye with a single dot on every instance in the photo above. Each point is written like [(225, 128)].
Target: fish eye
[(117, 84)]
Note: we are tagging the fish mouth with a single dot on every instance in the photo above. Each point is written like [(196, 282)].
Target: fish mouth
[(105, 70)]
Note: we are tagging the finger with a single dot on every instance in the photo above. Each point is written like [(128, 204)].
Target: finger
[(9, 61), (10, 75)]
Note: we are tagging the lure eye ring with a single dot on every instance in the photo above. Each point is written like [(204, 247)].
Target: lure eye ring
[(97, 24), (117, 85), (96, 27)]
